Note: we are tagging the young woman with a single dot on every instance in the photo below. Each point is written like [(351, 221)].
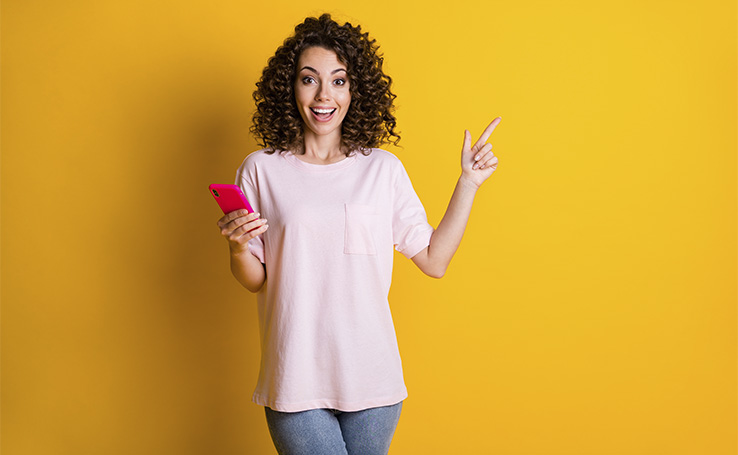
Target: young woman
[(331, 379)]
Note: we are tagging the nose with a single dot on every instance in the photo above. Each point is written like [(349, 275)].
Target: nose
[(323, 93)]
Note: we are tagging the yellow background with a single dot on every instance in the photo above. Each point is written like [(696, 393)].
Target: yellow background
[(591, 308)]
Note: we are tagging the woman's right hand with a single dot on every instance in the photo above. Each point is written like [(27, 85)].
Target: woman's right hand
[(239, 226)]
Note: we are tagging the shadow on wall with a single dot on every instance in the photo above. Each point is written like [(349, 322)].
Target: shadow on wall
[(191, 334)]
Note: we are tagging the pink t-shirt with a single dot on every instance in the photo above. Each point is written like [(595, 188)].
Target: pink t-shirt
[(327, 337)]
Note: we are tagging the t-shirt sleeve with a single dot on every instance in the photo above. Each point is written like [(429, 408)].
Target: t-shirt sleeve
[(245, 180), (411, 232)]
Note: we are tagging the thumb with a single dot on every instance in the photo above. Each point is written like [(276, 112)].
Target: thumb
[(467, 140)]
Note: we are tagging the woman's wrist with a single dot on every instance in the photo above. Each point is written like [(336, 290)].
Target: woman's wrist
[(466, 182), (239, 251)]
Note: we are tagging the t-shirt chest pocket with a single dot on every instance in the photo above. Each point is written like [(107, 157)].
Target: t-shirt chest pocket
[(361, 229)]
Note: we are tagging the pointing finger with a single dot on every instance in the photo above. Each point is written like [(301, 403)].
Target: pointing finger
[(488, 131)]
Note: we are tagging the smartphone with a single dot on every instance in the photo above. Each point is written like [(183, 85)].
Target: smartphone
[(230, 198)]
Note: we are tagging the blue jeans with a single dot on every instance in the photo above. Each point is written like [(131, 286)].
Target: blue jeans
[(331, 432)]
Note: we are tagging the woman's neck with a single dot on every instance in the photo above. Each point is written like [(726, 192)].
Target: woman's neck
[(322, 149)]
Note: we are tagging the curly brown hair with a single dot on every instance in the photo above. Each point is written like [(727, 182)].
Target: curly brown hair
[(369, 121)]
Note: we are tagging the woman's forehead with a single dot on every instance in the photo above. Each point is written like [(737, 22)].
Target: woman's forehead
[(315, 57)]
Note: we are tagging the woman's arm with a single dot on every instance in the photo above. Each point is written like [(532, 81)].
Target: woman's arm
[(238, 228), (477, 165)]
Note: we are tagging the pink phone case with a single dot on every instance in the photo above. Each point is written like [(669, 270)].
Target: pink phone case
[(229, 197)]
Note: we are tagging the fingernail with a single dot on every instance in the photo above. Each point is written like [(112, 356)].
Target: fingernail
[(477, 158)]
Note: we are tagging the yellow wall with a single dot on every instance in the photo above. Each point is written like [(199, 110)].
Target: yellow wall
[(590, 310)]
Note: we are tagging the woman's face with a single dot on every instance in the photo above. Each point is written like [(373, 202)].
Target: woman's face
[(322, 91)]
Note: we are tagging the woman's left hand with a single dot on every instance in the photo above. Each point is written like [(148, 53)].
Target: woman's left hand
[(477, 161)]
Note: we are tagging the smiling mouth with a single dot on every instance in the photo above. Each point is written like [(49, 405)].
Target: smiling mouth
[(322, 114)]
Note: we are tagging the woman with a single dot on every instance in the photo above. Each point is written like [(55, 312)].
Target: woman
[(331, 378)]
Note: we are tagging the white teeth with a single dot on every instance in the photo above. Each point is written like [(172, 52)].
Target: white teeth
[(322, 111)]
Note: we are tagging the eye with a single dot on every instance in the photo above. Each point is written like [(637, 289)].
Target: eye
[(340, 82), (308, 80)]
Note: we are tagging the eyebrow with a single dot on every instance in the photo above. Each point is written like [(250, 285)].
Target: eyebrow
[(310, 68)]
